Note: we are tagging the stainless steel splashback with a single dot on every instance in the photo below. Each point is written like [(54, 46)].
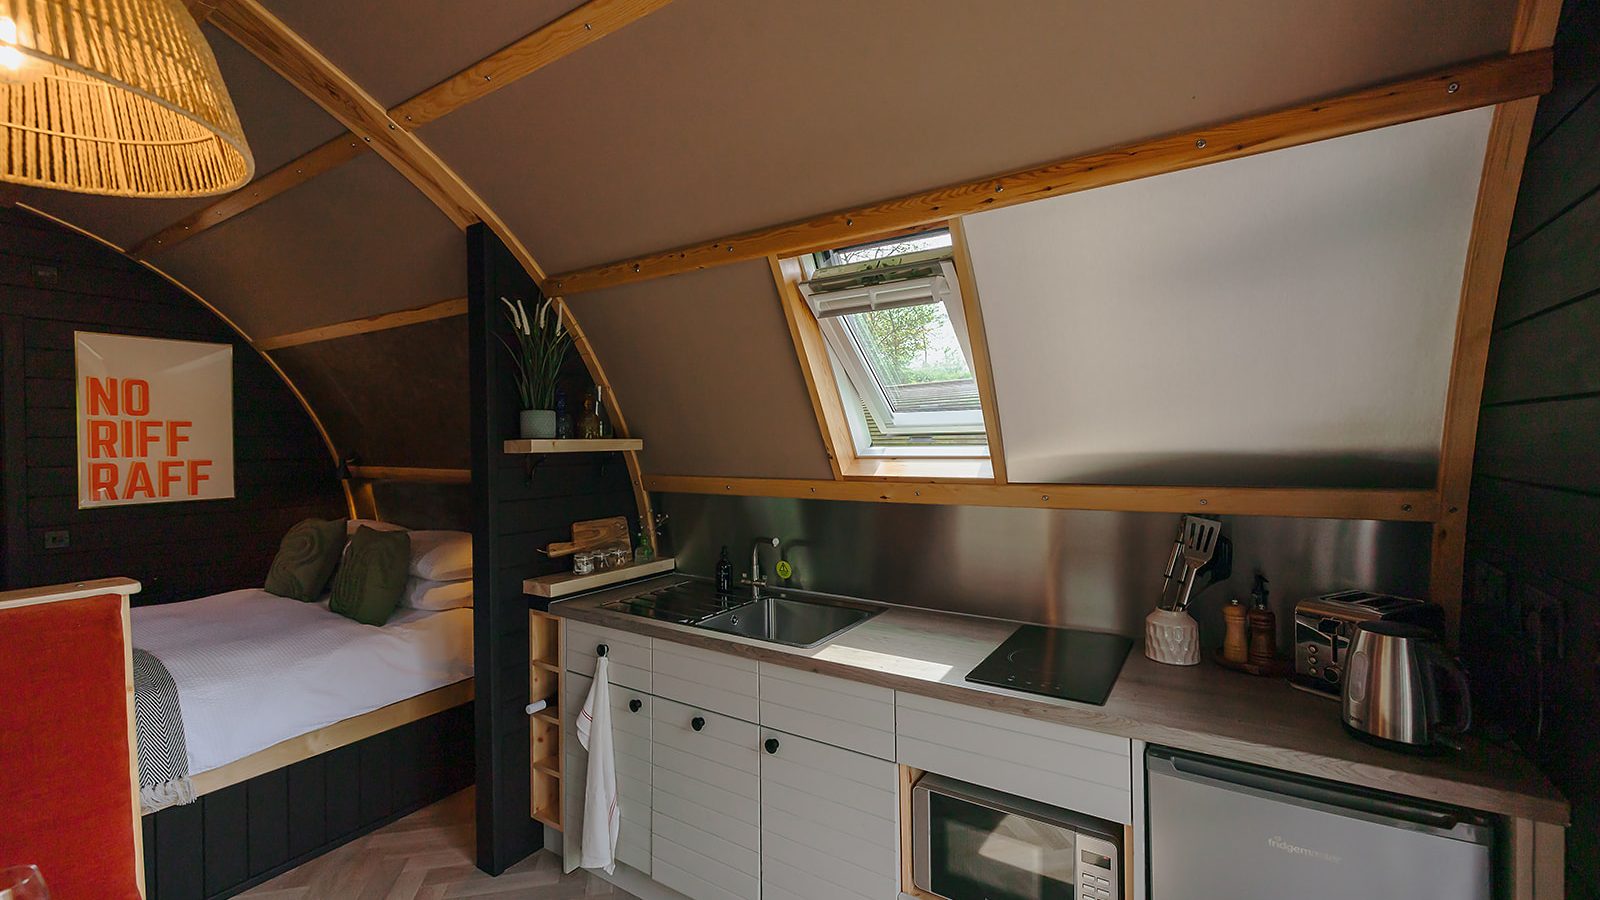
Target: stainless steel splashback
[(1095, 570)]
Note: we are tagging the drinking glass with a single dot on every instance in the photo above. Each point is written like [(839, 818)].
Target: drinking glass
[(23, 883)]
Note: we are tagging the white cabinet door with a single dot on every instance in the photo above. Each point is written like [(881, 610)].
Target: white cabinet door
[(630, 653), (631, 713), (843, 713), (720, 682), (829, 822), (705, 839)]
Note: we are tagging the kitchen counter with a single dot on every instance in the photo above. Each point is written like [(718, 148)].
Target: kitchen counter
[(1204, 708)]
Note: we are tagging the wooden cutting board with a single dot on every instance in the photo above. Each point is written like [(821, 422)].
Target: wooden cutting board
[(594, 534)]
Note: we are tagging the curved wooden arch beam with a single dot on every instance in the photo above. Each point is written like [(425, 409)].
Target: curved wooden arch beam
[(573, 31), (327, 439), (285, 52), (275, 44), (1461, 87)]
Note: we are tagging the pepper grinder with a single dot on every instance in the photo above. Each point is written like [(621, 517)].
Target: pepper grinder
[(1263, 626), (1235, 645)]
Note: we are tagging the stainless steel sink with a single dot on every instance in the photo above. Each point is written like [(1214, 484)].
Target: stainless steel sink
[(786, 620), (796, 621)]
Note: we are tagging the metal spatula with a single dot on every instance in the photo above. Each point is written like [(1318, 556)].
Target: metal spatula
[(1199, 542)]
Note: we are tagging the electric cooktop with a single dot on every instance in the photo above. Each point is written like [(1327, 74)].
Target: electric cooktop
[(1056, 662)]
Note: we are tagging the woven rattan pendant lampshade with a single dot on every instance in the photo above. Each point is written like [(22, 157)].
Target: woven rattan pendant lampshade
[(119, 97)]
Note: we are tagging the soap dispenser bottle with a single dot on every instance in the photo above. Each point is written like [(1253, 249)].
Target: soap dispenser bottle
[(724, 573)]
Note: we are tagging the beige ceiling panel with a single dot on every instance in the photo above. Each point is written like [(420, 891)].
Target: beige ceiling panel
[(279, 122), (354, 242), (706, 373), (392, 398), (395, 49), (1286, 319), (713, 116)]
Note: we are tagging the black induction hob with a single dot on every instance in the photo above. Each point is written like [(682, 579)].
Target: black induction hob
[(1056, 662)]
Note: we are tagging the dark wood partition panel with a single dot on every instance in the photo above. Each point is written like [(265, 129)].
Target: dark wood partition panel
[(1532, 619), (518, 506)]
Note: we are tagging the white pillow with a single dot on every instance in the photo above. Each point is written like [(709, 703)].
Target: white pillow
[(424, 594), (441, 555)]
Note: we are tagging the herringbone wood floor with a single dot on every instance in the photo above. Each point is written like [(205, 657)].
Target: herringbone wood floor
[(427, 856)]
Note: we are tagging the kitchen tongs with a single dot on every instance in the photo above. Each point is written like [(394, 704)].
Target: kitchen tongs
[(1196, 542)]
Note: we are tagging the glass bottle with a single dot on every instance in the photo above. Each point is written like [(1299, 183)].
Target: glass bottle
[(600, 412), (589, 422), (563, 415)]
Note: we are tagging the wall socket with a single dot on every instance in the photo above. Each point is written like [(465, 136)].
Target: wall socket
[(57, 540)]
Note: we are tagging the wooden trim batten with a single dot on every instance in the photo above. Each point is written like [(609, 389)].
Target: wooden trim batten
[(296, 172), (444, 309), (285, 52), (411, 473), (1315, 503), (570, 32), (1465, 86)]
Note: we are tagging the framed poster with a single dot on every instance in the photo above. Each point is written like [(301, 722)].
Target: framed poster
[(155, 420)]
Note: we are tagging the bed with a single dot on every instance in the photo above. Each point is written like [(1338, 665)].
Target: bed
[(253, 669), (264, 689)]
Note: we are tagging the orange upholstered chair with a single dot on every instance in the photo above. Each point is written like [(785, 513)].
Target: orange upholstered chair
[(69, 796)]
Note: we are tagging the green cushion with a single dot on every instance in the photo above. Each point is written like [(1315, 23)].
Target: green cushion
[(372, 578), (306, 559)]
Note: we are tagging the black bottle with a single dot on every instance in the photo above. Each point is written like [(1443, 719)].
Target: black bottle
[(724, 573)]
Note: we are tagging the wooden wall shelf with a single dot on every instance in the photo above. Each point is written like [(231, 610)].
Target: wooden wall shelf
[(573, 445), (564, 584)]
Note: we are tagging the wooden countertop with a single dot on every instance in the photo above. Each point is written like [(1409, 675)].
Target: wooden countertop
[(1204, 708)]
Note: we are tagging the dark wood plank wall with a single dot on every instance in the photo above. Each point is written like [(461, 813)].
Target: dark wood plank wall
[(247, 833), (516, 510), (1534, 527), (52, 282)]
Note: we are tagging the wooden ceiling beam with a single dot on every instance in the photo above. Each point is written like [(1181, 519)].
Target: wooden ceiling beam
[(1465, 86), (334, 153), (285, 52), (1316, 503), (444, 309), (571, 32)]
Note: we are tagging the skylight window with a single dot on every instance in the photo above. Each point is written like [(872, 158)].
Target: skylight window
[(892, 315)]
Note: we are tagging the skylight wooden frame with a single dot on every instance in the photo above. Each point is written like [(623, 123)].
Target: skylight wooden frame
[(833, 419)]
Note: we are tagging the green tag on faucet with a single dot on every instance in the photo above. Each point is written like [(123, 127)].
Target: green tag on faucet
[(784, 569)]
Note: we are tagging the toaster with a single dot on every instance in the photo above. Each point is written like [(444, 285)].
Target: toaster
[(1325, 629)]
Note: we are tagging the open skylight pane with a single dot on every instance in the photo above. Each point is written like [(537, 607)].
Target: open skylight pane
[(913, 354)]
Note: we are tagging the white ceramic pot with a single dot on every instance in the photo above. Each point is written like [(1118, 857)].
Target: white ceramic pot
[(1172, 637), (537, 424)]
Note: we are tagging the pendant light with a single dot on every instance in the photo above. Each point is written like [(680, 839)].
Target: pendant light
[(117, 97)]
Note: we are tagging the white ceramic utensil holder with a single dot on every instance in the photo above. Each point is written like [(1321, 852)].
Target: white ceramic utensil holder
[(1172, 637)]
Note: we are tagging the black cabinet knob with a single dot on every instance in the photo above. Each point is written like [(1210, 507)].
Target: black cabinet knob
[(772, 745), (697, 723), (601, 649), (635, 705)]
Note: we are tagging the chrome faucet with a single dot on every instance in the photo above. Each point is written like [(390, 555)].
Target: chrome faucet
[(754, 581)]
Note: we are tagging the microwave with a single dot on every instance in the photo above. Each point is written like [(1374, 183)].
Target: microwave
[(973, 843)]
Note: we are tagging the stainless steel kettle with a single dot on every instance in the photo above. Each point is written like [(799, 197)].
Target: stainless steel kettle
[(1401, 689)]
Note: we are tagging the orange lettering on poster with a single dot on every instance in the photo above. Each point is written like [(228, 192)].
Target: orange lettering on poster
[(117, 426)]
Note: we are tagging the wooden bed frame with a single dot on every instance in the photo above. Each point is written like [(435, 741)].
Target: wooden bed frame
[(262, 815)]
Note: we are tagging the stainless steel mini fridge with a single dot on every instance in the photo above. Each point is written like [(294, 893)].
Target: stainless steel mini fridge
[(1224, 829)]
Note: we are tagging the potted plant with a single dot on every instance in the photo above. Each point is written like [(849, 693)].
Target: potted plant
[(538, 347)]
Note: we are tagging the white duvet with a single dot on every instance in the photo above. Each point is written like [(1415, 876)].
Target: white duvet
[(253, 669)]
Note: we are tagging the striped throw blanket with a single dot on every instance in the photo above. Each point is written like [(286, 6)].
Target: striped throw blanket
[(158, 725)]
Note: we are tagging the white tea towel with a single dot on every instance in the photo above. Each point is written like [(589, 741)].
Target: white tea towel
[(601, 817)]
